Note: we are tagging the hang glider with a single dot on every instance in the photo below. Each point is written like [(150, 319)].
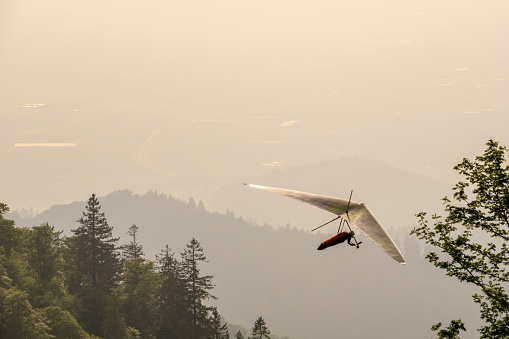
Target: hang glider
[(357, 213)]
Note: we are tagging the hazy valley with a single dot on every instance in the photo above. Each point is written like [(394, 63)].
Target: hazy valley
[(276, 272)]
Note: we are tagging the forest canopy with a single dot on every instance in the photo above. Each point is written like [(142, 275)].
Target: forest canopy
[(87, 285)]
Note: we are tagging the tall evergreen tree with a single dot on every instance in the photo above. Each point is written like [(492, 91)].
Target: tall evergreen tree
[(93, 250), (94, 266), (218, 331), (175, 318), (260, 329), (134, 249), (198, 287)]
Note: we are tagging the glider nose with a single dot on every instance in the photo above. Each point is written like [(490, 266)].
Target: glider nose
[(321, 247)]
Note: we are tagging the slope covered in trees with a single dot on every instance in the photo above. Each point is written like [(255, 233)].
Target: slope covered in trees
[(86, 286), (258, 270)]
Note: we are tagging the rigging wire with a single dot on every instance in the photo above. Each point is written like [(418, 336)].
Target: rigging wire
[(328, 222)]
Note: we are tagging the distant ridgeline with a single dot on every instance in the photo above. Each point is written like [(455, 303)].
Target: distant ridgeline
[(89, 285), (256, 269)]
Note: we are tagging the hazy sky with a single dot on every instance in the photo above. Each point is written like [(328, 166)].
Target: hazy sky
[(187, 96)]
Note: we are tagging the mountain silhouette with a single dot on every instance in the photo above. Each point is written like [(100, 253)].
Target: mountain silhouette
[(278, 273)]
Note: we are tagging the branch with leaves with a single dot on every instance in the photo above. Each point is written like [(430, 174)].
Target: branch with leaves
[(472, 238)]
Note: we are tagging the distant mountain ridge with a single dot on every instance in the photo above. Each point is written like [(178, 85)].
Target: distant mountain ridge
[(300, 292), (394, 195)]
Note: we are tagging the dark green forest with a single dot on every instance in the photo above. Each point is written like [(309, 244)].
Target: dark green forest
[(87, 285)]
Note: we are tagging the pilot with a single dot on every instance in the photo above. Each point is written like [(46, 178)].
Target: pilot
[(349, 239), (338, 239)]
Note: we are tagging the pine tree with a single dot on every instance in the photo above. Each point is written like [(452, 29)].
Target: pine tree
[(93, 266), (218, 331), (239, 335), (198, 287), (260, 329), (134, 249), (175, 318), (93, 251)]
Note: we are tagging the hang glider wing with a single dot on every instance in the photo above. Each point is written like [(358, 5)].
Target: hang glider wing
[(362, 218), (358, 214)]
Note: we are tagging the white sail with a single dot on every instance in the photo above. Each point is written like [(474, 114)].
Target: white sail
[(358, 215)]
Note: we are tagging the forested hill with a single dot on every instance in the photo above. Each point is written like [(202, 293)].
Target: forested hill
[(301, 292)]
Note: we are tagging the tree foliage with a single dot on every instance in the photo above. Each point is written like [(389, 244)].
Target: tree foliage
[(451, 332), (114, 326), (260, 329), (93, 265), (62, 324), (174, 314), (198, 287), (473, 238), (140, 289), (18, 269), (44, 252), (46, 265), (17, 317), (93, 249), (10, 236), (217, 329), (133, 250), (77, 287)]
